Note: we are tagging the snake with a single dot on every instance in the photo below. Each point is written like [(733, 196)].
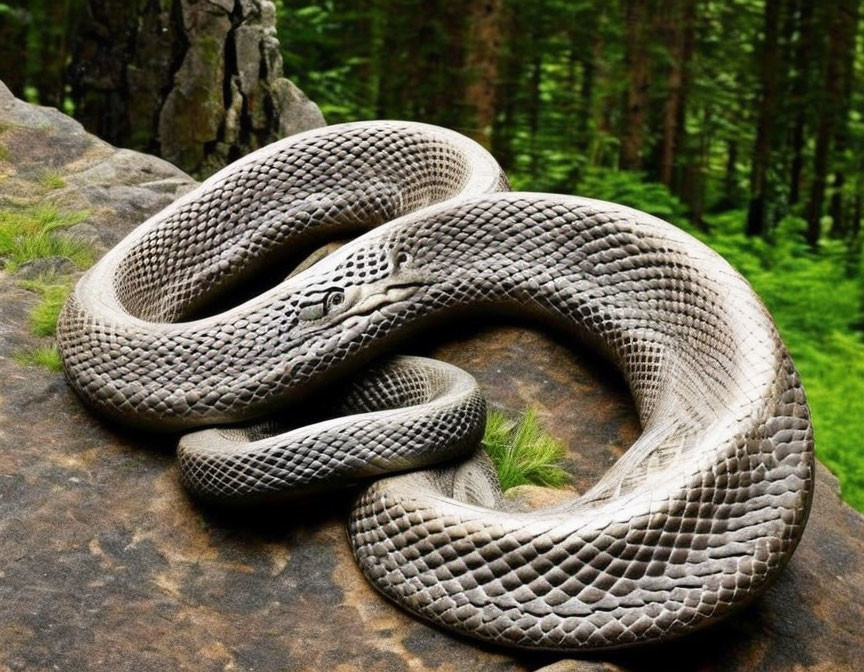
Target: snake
[(692, 523)]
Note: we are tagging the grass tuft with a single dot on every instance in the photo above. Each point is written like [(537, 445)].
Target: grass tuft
[(523, 454), (43, 316), (47, 356), (30, 233), (50, 180)]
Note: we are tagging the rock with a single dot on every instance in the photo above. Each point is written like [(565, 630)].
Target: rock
[(198, 129), (105, 564), (201, 81), (193, 110), (45, 266), (530, 497), (247, 43), (113, 186), (298, 113), (580, 666)]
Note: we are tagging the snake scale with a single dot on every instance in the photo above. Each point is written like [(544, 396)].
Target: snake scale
[(693, 522)]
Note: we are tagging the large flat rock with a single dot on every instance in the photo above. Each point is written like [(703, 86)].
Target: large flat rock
[(105, 564)]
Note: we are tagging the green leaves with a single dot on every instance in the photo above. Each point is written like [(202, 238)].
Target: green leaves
[(629, 188)]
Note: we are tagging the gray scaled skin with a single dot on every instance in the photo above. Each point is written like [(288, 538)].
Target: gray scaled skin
[(405, 413), (694, 521)]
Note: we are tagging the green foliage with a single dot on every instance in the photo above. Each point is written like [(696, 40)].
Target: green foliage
[(46, 356), (43, 319), (630, 188), (341, 81), (30, 233), (523, 453), (816, 299)]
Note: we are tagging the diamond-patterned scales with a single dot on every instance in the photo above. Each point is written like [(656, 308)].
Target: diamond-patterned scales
[(694, 521)]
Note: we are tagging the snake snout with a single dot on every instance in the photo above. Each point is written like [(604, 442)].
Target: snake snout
[(375, 297)]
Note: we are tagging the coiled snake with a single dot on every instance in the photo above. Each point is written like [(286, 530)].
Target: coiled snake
[(692, 522)]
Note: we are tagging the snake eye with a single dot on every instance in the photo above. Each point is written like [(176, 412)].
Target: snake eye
[(315, 311), (335, 299), (403, 258)]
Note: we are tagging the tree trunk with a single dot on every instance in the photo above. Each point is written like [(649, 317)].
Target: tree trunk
[(730, 179), (820, 177), (482, 65), (803, 67), (586, 95), (697, 166), (508, 86), (674, 90), (681, 140), (842, 27), (760, 189), (48, 38), (13, 47), (534, 100), (847, 27), (198, 81), (636, 63), (97, 74)]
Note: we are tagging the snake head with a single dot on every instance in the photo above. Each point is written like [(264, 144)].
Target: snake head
[(356, 281)]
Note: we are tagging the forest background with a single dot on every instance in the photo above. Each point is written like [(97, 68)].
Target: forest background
[(742, 121)]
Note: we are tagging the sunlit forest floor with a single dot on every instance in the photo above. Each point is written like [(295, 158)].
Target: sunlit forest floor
[(816, 300)]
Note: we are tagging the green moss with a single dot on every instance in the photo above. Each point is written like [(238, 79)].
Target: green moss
[(51, 180), (47, 356), (30, 233), (523, 454), (4, 153)]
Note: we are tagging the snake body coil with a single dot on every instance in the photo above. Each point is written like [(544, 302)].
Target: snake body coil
[(692, 522)]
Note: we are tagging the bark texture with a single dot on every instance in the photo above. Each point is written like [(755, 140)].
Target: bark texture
[(483, 57), (679, 38), (760, 187), (800, 96), (197, 81), (841, 19), (636, 61)]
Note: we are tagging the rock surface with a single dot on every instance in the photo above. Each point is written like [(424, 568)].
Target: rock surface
[(105, 564)]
